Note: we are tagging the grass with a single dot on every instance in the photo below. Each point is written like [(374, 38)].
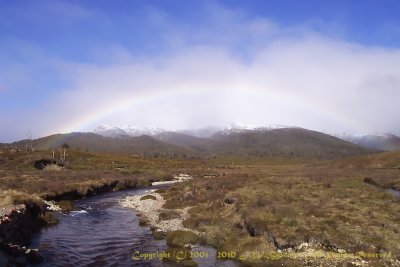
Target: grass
[(84, 172), (243, 205), (280, 206)]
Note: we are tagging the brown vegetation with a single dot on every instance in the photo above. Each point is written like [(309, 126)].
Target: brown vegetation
[(240, 204), (264, 207)]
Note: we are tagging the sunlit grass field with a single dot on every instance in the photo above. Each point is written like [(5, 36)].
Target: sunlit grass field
[(242, 205)]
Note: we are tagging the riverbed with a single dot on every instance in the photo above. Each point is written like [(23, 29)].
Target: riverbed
[(100, 232)]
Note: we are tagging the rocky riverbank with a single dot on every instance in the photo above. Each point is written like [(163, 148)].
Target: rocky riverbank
[(150, 208), (17, 225), (150, 204)]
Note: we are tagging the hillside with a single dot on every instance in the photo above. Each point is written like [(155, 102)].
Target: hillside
[(385, 142), (282, 142), (291, 142), (185, 140), (140, 146)]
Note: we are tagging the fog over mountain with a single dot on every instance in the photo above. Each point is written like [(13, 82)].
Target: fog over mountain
[(157, 68), (375, 141)]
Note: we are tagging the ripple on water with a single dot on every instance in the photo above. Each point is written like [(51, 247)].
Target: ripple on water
[(101, 233)]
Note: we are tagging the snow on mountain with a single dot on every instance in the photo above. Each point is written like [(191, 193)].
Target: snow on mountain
[(138, 131), (109, 130), (239, 128), (114, 131), (379, 141), (201, 132)]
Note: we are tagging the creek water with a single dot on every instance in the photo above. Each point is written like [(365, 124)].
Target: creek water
[(99, 232), (393, 192)]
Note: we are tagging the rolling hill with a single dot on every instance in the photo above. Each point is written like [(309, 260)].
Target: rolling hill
[(140, 146), (262, 142), (287, 142)]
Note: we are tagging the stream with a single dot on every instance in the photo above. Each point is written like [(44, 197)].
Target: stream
[(99, 232)]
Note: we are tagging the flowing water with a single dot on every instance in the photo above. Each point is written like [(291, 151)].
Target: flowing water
[(393, 192), (102, 233)]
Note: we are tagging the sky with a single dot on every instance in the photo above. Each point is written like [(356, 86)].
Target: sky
[(66, 66)]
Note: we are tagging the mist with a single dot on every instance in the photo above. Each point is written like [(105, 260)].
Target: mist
[(246, 70)]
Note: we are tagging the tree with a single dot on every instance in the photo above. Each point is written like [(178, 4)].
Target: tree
[(63, 152), (29, 142)]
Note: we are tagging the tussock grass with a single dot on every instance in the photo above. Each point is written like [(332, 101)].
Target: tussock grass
[(83, 173), (10, 198), (282, 206)]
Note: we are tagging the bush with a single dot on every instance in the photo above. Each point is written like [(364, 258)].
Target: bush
[(180, 238)]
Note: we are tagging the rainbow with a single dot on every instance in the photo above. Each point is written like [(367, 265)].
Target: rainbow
[(298, 101)]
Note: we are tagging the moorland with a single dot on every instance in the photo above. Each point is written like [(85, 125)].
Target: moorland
[(325, 205)]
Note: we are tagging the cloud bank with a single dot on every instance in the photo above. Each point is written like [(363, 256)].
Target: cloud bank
[(232, 68)]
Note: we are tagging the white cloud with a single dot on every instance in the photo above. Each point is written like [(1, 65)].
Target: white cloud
[(311, 82), (280, 76)]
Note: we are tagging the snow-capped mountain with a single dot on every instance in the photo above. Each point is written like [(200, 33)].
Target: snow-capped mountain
[(201, 132), (239, 128), (378, 141), (115, 131)]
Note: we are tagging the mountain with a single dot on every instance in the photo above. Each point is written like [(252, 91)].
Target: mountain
[(184, 140), (385, 141), (242, 128), (245, 140), (286, 142), (280, 141), (142, 145), (201, 132), (109, 131), (114, 131)]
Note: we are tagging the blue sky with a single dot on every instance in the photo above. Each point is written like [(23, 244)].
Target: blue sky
[(61, 60)]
